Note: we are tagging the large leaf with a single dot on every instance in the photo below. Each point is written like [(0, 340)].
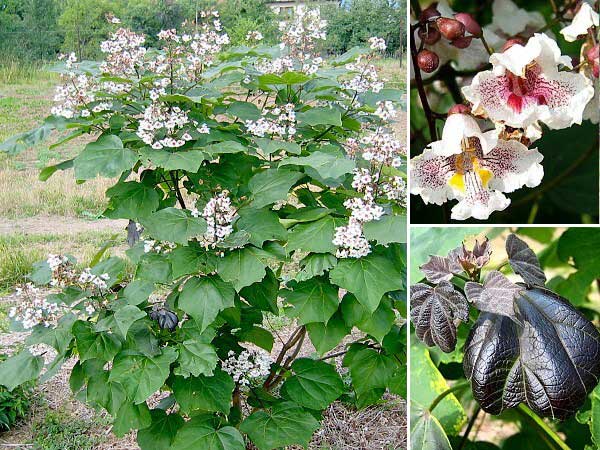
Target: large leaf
[(314, 300), (271, 185), (174, 225), (376, 324), (426, 431), (326, 336), (314, 236), (204, 393), (189, 160), (524, 262), (204, 297), (106, 157), (196, 358), (282, 425), (263, 294), (315, 384), (125, 316), (371, 370), (161, 433), (241, 268), (496, 295), (262, 225), (434, 312), (131, 417), (320, 116), (329, 166), (426, 383), (200, 433), (388, 229), (91, 344), (132, 200), (368, 278), (19, 369), (548, 362), (140, 375), (315, 264)]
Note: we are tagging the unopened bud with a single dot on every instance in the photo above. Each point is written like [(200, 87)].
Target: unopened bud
[(462, 42), (459, 109), (428, 61), (512, 41), (451, 29), (470, 24), (430, 36), (429, 13)]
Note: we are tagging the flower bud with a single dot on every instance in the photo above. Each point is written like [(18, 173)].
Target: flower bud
[(428, 61), (451, 29), (470, 24), (430, 36), (429, 13), (462, 42), (513, 41), (459, 109), (596, 70)]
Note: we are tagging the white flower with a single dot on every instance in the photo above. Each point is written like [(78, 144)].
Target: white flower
[(248, 365), (511, 20), (254, 36), (475, 178), (377, 43), (459, 127), (525, 86), (583, 20)]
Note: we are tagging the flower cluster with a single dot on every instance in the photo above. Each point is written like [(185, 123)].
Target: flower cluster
[(34, 309), (248, 365), (98, 281), (530, 83), (219, 215), (62, 269), (277, 121), (151, 245), (124, 51), (366, 77)]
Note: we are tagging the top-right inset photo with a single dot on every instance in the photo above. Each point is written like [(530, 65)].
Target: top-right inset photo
[(504, 111)]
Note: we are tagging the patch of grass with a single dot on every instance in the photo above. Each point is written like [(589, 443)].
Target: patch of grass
[(394, 71), (22, 194), (58, 430), (18, 252), (16, 71), (4, 320)]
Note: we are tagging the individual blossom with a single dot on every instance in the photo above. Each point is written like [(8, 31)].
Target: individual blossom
[(476, 175), (247, 366), (526, 86), (219, 215), (585, 19)]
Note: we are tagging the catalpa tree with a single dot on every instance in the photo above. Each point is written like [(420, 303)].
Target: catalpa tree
[(257, 181)]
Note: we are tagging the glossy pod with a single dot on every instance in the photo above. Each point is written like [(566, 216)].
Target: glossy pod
[(549, 360)]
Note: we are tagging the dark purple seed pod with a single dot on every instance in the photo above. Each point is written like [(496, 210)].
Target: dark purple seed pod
[(166, 319), (430, 36), (431, 12)]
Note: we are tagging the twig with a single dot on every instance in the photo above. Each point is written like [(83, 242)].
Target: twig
[(465, 437), (420, 88)]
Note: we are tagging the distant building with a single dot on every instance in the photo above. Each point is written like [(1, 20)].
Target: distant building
[(287, 7)]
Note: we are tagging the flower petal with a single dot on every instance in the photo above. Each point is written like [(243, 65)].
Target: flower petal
[(479, 205), (584, 19), (456, 129), (429, 175), (513, 166), (512, 20)]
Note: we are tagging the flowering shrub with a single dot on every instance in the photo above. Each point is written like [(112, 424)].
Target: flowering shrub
[(261, 181), (512, 85)]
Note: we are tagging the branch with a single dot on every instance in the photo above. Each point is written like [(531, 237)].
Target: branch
[(420, 87), (293, 339)]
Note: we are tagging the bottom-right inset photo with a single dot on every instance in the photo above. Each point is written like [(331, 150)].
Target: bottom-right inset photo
[(504, 343)]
